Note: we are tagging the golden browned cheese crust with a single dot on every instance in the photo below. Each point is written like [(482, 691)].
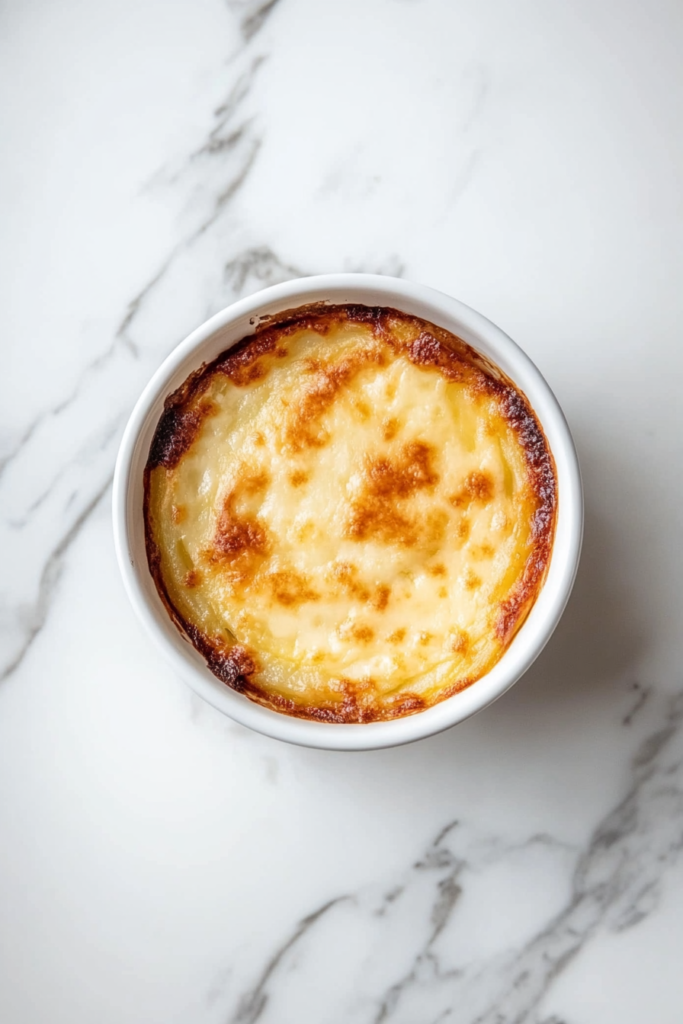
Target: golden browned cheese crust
[(349, 513)]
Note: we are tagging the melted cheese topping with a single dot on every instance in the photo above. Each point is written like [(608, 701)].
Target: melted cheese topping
[(345, 515)]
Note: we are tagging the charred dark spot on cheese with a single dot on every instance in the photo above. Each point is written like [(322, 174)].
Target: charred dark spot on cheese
[(390, 428), (471, 581), (181, 421), (291, 588), (541, 470), (372, 519), (409, 704), (458, 686), (238, 535), (345, 575), (192, 578), (476, 487), (251, 481), (427, 350), (539, 461), (299, 477), (353, 707), (174, 435), (234, 665), (412, 471), (302, 427), (463, 528), (245, 363), (459, 641), (515, 608), (378, 512), (359, 632), (542, 522)]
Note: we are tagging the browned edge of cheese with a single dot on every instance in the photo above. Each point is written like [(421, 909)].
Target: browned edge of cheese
[(435, 347)]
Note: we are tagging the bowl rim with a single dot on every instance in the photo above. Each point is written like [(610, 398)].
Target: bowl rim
[(219, 333)]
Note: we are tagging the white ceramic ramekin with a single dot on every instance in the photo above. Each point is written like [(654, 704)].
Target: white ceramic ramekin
[(218, 334)]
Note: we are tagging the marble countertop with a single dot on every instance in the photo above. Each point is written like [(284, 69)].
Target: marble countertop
[(162, 865)]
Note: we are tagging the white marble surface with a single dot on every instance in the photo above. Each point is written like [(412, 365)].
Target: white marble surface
[(160, 865)]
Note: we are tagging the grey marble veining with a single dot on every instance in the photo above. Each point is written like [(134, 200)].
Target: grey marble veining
[(65, 489), (614, 883)]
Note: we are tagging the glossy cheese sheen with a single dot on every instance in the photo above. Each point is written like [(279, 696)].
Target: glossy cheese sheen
[(349, 514)]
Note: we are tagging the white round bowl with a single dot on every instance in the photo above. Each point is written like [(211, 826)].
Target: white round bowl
[(218, 334)]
